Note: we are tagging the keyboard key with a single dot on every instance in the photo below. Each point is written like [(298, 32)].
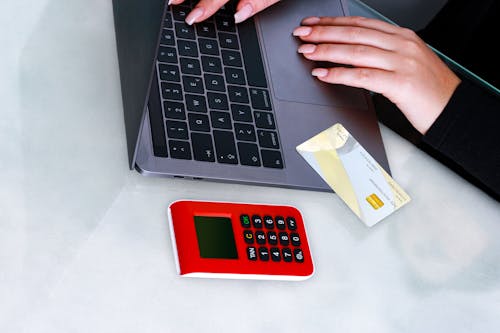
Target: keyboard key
[(167, 54), (287, 254), (248, 236), (228, 41), (272, 238), (264, 120), (250, 49), (245, 132), (217, 101), (245, 221), (260, 236), (196, 103), (180, 12), (193, 84), (171, 91), (249, 154), (268, 139), (275, 254), (211, 64), (167, 37), (260, 99), (221, 120), (187, 48), (203, 148), (263, 254), (169, 73), (295, 239), (291, 223), (280, 222), (298, 255), (231, 58), (284, 239), (156, 122), (206, 29), (208, 46), (238, 94), (225, 23), (190, 66), (241, 113), (225, 147), (177, 130), (234, 76), (168, 23), (257, 221), (185, 31), (198, 122), (272, 159), (180, 149), (251, 253), (174, 110), (268, 222), (215, 82)]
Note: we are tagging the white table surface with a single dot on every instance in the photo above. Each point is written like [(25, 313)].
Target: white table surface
[(84, 241)]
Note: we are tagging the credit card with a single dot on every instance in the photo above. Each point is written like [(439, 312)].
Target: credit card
[(353, 174)]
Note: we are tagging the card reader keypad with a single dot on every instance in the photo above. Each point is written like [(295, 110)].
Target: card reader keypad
[(271, 238)]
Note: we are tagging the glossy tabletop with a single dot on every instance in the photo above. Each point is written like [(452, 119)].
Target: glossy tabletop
[(85, 245)]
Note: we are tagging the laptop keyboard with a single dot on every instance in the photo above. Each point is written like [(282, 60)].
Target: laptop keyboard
[(213, 101)]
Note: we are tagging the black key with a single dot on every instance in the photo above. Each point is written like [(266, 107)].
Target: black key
[(196, 103), (203, 148), (206, 29), (248, 236), (260, 99), (272, 159), (214, 82), (237, 94), (167, 54), (193, 84), (169, 73), (208, 46), (177, 130), (227, 9), (275, 254), (260, 236), (225, 147), (187, 48), (217, 101), (251, 253), (287, 254), (231, 58), (180, 12), (298, 255), (263, 254), (156, 121), (244, 132), (245, 221), (268, 139), (291, 223), (168, 23), (249, 154), (167, 37), (180, 149), (174, 110), (228, 41), (198, 122), (264, 120), (171, 91), (268, 222), (295, 239), (272, 238), (183, 30), (225, 23), (284, 239), (257, 221), (190, 66), (250, 49), (211, 64), (234, 76), (221, 120), (241, 113), (280, 222)]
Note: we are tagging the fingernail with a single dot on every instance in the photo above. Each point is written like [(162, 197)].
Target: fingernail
[(170, 2), (302, 31), (311, 20), (194, 15), (307, 48), (319, 72), (245, 12)]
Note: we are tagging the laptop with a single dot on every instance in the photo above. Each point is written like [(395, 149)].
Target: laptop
[(226, 102)]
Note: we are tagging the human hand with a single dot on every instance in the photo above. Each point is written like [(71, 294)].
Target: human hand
[(382, 58), (206, 8)]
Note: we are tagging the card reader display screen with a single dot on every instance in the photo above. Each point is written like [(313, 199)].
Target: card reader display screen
[(215, 237)]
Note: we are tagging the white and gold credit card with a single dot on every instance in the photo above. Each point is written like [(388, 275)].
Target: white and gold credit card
[(353, 174)]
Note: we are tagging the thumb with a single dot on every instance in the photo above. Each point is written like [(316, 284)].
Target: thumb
[(247, 8)]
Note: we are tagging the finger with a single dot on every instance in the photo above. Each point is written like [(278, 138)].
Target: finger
[(248, 8), (354, 21), (376, 80), (203, 10), (355, 55), (347, 35)]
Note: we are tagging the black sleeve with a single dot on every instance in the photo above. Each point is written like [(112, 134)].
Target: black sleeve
[(467, 135)]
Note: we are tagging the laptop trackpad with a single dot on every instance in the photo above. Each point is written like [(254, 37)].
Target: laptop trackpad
[(290, 72)]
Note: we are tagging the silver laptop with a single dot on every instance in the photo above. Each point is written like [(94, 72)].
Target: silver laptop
[(226, 102)]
